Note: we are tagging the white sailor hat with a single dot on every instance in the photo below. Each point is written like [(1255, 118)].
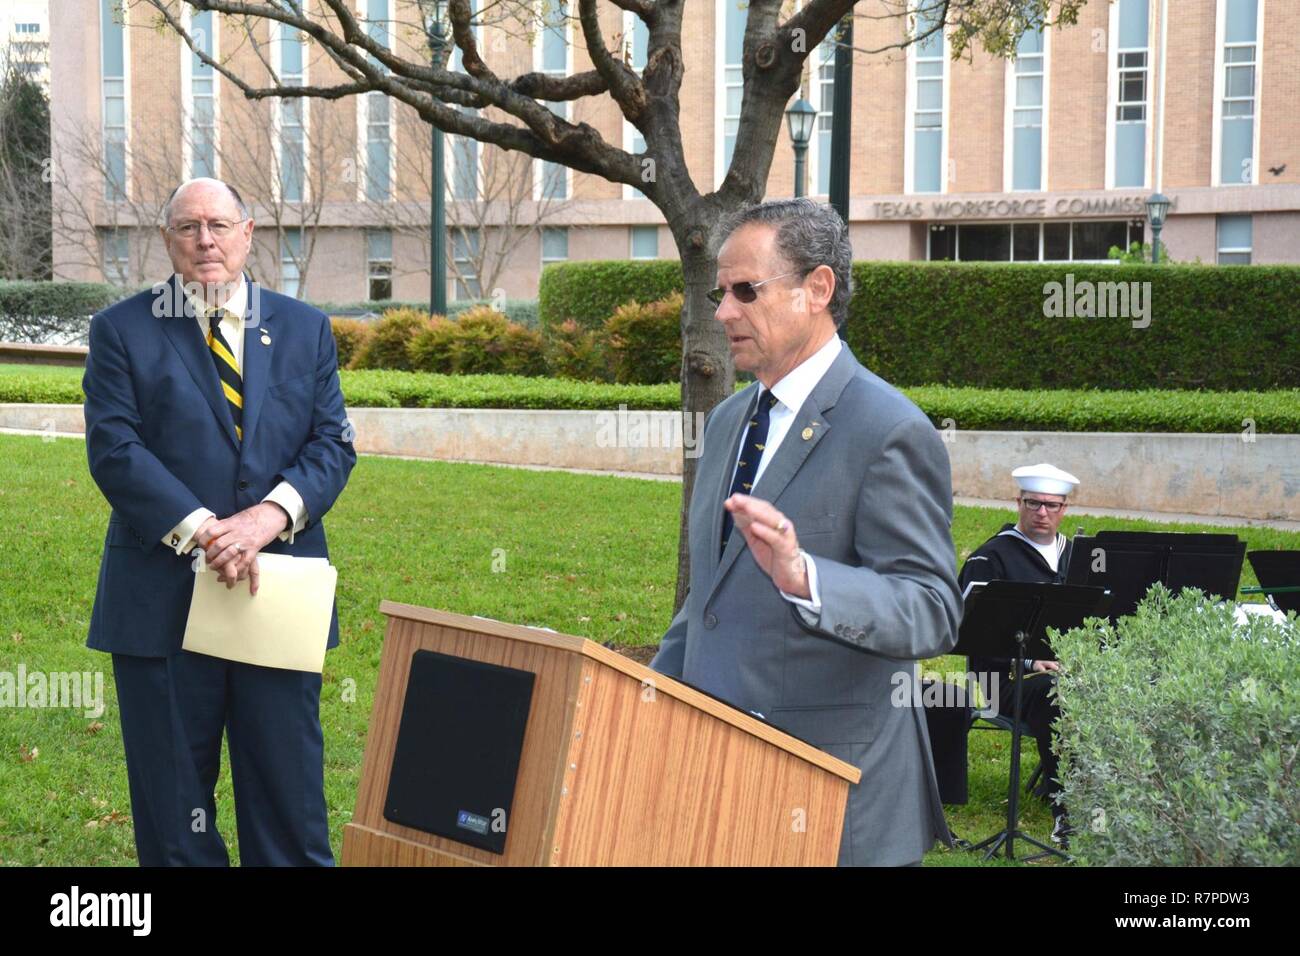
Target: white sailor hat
[(1045, 479)]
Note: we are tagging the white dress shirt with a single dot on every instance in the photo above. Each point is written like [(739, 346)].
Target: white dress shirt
[(791, 392), (284, 494)]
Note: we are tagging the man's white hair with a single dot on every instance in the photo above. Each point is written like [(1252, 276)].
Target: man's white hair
[(207, 180)]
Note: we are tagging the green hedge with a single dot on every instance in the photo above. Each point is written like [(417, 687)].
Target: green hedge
[(1211, 327), (962, 408), (589, 292), (1178, 735), (982, 325), (64, 299)]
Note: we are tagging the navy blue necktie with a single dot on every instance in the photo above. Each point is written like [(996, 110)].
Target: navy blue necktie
[(752, 441)]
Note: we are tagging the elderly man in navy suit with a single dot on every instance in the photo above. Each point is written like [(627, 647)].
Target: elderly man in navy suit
[(214, 420)]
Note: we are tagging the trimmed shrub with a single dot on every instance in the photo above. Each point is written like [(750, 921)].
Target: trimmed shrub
[(1178, 735), (42, 312), (1208, 327), (480, 342), (589, 292), (523, 311), (350, 337), (645, 341), (576, 353), (388, 344), (1216, 328)]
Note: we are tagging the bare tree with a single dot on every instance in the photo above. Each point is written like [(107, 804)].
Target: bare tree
[(24, 172), (510, 109)]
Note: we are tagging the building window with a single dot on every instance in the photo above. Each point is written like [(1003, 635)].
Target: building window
[(464, 151), (1235, 239), (823, 86), (202, 101), (1237, 121), (735, 16), (290, 257), (928, 64), (1131, 85), (555, 244), (27, 28), (378, 116), (1088, 240), (464, 251), (113, 88), (553, 52), (638, 48), (379, 265), (115, 249), (1027, 112), (292, 53), (645, 242)]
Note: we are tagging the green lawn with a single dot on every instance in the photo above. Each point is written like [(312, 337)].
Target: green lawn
[(588, 555)]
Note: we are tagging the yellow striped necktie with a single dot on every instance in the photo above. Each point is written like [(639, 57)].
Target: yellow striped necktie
[(223, 356)]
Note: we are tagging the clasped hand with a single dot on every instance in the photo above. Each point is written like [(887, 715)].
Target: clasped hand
[(230, 545)]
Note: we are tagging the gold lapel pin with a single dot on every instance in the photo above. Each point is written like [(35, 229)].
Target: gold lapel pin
[(807, 434)]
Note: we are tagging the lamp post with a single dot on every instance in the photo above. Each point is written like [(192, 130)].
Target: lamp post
[(799, 119), (1157, 210), (438, 194), (841, 116)]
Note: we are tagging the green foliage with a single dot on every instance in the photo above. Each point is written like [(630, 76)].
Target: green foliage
[(26, 235), (589, 292), (523, 311), (480, 342), (1137, 254), (1211, 327), (967, 408), (1178, 735), (576, 352), (350, 337), (645, 341), (388, 346), (34, 311), (389, 389)]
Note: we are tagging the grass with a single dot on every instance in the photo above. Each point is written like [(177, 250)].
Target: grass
[(588, 555), (1272, 412)]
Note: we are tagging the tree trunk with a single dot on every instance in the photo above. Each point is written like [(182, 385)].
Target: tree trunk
[(707, 374)]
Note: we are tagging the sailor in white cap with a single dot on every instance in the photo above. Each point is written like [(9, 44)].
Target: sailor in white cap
[(1030, 550)]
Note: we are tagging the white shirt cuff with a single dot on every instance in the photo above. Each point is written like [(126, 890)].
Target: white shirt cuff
[(288, 498), (180, 537), (814, 601)]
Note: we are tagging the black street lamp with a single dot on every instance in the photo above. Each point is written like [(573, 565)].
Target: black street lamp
[(438, 223), (1157, 209), (800, 118)]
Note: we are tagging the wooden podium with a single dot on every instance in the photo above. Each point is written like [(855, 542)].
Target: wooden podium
[(619, 766)]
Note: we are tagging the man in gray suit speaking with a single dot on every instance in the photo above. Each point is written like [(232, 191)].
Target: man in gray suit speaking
[(822, 561)]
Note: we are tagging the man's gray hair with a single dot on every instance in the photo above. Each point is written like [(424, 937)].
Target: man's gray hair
[(234, 194), (808, 235)]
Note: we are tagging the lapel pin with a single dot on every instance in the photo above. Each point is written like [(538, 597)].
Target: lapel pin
[(266, 339), (807, 434)]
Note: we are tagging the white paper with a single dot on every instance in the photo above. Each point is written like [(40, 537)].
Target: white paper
[(285, 625)]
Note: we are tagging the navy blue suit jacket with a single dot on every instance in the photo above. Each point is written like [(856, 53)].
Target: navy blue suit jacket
[(161, 443)]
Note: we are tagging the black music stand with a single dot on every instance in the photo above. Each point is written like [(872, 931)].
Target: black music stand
[(1010, 619), (1127, 563), (1279, 578)]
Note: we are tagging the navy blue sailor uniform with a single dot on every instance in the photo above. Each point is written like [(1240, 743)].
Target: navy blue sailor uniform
[(1010, 556)]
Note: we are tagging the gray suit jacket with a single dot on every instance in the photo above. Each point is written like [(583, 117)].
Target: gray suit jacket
[(870, 496)]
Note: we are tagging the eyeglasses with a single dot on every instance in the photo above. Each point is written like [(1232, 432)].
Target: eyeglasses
[(1033, 504), (217, 228), (746, 292)]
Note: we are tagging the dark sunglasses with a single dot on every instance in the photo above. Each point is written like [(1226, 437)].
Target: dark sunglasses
[(745, 292)]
